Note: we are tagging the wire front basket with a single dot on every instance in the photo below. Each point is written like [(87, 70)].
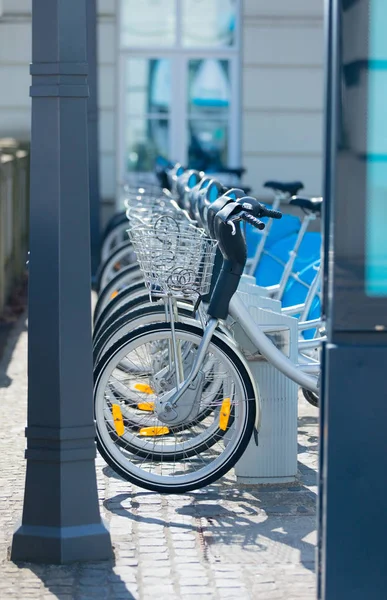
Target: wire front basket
[(165, 216), (175, 260)]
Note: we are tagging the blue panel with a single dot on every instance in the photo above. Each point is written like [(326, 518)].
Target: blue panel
[(376, 211)]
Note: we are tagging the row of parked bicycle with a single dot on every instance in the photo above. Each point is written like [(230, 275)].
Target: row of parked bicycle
[(175, 400)]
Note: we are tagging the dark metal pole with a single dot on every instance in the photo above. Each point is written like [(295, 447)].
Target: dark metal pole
[(326, 220), (92, 118), (353, 487), (61, 520)]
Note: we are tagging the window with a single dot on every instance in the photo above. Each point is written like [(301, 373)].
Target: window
[(148, 23), (179, 83), (147, 104), (209, 24)]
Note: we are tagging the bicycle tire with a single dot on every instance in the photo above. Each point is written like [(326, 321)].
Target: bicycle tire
[(123, 252), (115, 303), (115, 220), (122, 324), (132, 304), (125, 277), (233, 449), (116, 236), (311, 397)]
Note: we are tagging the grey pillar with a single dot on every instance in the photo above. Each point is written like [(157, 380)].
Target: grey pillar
[(92, 118), (353, 486), (61, 520)]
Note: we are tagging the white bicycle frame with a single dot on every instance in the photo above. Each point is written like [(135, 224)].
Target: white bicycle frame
[(277, 291), (302, 372), (305, 372)]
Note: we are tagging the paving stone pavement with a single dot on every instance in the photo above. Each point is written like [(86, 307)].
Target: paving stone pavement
[(223, 542)]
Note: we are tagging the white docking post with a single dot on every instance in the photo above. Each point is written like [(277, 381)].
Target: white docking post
[(274, 460)]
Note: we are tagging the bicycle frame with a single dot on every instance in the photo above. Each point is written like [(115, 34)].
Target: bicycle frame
[(304, 372), (277, 291)]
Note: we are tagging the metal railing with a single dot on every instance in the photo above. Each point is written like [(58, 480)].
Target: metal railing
[(14, 216)]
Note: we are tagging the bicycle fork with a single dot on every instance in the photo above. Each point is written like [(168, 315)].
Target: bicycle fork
[(198, 361), (174, 350)]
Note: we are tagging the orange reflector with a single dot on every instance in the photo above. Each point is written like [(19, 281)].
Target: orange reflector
[(144, 388), (117, 266), (224, 414), (153, 431), (147, 406), (118, 420), (114, 294)]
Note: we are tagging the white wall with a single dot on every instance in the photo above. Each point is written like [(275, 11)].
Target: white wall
[(283, 91), (282, 87), (107, 96), (15, 57)]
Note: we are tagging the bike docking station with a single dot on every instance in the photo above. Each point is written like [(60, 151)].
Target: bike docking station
[(271, 456)]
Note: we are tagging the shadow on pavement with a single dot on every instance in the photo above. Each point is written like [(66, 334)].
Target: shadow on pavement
[(249, 517), (81, 581), (9, 336), (307, 420)]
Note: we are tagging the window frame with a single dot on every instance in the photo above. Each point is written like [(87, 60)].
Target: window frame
[(178, 116)]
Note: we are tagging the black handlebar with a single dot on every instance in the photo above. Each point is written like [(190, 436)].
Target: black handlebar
[(272, 214), (252, 220)]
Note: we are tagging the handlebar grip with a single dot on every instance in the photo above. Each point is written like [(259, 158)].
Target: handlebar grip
[(253, 220), (272, 214)]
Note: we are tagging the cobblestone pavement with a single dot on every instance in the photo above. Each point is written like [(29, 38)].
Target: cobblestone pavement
[(226, 541)]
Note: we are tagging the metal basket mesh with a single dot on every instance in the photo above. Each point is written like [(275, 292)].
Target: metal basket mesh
[(175, 259), (165, 215), (143, 197)]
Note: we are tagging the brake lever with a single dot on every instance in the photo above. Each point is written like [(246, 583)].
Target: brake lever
[(232, 222)]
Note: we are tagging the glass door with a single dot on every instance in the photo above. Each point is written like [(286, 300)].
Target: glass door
[(147, 112), (208, 104), (178, 84)]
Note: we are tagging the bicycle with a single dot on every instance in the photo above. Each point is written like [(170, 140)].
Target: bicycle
[(217, 441)]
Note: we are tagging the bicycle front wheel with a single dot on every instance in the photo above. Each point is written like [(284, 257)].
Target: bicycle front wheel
[(146, 450)]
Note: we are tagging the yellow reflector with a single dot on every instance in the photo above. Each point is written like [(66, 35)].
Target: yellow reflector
[(118, 420), (114, 294), (147, 406), (153, 431), (224, 414), (144, 388)]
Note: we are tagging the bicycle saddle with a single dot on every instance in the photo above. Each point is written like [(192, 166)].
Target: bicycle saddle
[(290, 187), (312, 204)]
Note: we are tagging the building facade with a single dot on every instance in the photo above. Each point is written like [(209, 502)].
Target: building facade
[(156, 59)]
